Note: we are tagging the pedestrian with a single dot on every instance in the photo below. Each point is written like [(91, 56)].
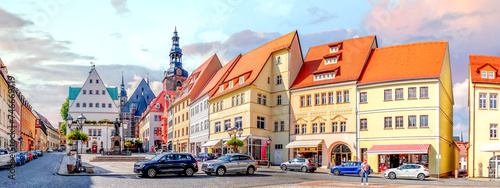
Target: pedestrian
[(364, 172)]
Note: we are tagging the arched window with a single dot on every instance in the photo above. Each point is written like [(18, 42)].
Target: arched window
[(342, 153), (103, 105), (77, 105), (90, 105), (84, 105), (179, 84), (97, 105), (109, 105)]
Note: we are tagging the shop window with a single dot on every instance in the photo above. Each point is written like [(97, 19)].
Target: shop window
[(278, 146)]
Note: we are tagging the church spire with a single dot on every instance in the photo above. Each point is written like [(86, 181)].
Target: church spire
[(123, 92), (175, 67)]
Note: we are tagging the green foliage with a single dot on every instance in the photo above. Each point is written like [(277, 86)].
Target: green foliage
[(77, 135), (63, 127), (64, 109), (138, 142), (128, 144), (235, 142), (70, 143)]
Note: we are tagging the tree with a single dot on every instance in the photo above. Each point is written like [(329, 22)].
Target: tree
[(64, 109), (63, 128), (235, 143), (77, 135)]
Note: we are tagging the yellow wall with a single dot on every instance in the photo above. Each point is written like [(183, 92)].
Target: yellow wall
[(181, 125), (479, 134)]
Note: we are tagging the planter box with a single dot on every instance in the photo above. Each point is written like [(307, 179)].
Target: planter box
[(89, 169), (70, 167)]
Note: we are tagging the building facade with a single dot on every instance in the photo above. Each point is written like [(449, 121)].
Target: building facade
[(150, 124), (131, 112), (4, 107), (323, 102), (96, 101), (175, 74), (406, 108), (254, 95), (484, 87)]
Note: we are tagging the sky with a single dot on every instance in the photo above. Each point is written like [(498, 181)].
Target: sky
[(48, 45)]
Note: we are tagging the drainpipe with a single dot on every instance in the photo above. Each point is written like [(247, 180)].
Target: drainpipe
[(474, 134)]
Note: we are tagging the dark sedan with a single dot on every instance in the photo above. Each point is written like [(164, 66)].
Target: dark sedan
[(167, 163)]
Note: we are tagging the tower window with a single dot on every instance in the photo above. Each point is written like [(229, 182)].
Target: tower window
[(90, 81)]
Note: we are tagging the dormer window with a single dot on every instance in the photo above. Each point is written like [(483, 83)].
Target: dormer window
[(334, 49), (484, 74), (330, 61), (242, 79), (230, 84), (325, 76), (157, 106), (491, 75), (221, 88)]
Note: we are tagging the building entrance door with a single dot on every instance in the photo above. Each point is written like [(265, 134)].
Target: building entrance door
[(278, 156), (94, 147), (341, 154)]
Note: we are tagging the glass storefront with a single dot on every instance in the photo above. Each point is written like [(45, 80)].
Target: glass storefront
[(387, 161), (340, 154), (311, 153), (494, 167)]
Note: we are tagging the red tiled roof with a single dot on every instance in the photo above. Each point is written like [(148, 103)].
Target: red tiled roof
[(216, 78), (355, 53), (406, 61), (395, 148), (251, 63), (200, 76), (159, 99), (480, 62)]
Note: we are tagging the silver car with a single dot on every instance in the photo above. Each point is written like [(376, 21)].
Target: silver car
[(230, 163), (408, 171), (305, 165)]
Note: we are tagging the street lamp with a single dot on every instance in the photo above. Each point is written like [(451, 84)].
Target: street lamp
[(79, 123), (268, 158), (234, 131)]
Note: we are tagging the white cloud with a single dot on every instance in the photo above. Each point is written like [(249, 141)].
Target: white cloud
[(460, 92), (461, 129)]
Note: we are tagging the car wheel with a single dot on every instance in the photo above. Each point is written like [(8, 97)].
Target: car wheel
[(304, 169), (283, 167), (221, 171), (151, 172), (421, 177), (336, 172), (360, 173), (250, 170), (392, 175), (189, 172)]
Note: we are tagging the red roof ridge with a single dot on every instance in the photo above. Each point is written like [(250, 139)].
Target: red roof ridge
[(411, 44)]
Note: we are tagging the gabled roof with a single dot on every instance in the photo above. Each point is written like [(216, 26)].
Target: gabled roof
[(352, 56), (406, 61), (251, 63), (45, 121), (216, 78), (141, 98), (160, 99), (480, 62), (198, 79)]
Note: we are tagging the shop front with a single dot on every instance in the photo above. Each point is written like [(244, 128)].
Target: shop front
[(213, 146), (393, 156), (310, 149), (340, 154), (494, 162)]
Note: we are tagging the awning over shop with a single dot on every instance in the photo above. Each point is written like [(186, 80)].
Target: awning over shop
[(304, 143), (242, 138), (211, 143), (495, 147), (399, 149)]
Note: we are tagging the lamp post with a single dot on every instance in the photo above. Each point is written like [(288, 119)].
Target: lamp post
[(269, 150), (80, 120)]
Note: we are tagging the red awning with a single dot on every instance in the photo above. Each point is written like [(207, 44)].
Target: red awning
[(399, 149)]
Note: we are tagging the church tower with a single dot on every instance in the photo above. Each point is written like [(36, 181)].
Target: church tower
[(123, 95), (175, 74)]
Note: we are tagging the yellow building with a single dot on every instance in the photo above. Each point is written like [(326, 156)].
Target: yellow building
[(323, 102), (484, 87), (406, 108), (254, 98), (179, 110)]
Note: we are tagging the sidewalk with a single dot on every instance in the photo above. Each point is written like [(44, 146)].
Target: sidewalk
[(100, 168)]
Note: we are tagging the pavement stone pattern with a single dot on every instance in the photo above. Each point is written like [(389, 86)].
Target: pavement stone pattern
[(100, 168)]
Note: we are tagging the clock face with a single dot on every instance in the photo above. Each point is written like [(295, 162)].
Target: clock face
[(179, 72)]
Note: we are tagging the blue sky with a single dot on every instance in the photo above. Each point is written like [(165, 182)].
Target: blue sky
[(48, 44)]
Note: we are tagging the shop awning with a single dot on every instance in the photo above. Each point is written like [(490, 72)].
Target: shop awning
[(399, 149), (211, 143), (242, 138), (304, 143), (495, 147)]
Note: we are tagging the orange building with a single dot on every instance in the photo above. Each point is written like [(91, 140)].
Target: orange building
[(28, 121)]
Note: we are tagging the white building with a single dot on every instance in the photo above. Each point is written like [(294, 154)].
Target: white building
[(199, 124), (94, 100), (150, 124)]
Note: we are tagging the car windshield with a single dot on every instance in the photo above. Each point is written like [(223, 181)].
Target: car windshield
[(157, 158), (225, 158)]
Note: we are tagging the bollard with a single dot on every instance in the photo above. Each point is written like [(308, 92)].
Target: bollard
[(456, 173)]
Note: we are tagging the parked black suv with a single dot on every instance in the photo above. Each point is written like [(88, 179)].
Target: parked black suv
[(172, 163)]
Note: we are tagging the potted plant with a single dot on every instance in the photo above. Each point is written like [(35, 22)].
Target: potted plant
[(128, 144), (234, 144)]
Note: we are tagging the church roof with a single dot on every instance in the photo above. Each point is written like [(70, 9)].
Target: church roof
[(140, 98)]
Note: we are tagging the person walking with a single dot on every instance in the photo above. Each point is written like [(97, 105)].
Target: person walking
[(364, 172)]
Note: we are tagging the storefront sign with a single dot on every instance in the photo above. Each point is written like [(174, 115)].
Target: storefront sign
[(312, 149)]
